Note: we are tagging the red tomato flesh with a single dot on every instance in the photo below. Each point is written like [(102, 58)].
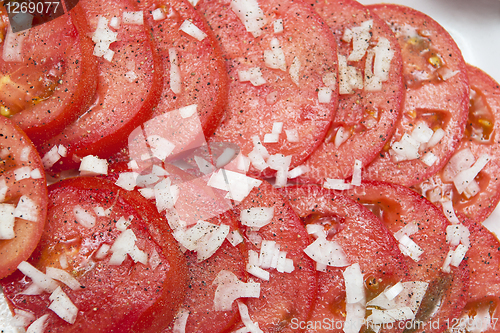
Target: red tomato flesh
[(55, 81), (367, 117), (252, 110), (121, 298), (481, 137), (398, 206), (429, 56), (363, 238), (17, 151)]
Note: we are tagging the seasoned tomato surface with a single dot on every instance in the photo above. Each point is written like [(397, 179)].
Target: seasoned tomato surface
[(131, 273)]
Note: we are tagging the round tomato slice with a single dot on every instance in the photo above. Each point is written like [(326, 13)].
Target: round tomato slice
[(480, 197), (22, 184), (201, 292), (129, 86), (275, 78), (121, 252), (482, 310), (49, 78), (436, 102), (366, 116), (416, 222), (363, 239), (285, 297)]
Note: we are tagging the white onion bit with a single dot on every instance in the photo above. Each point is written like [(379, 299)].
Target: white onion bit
[(63, 306), (192, 30), (229, 288)]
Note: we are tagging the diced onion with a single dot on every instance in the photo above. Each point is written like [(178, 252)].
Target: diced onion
[(422, 133), (336, 184), (51, 157), (355, 315), (7, 221), (409, 248), (103, 251), (458, 255), (192, 30), (429, 158), (84, 217), (136, 18), (203, 165), (40, 279), (3, 189), (436, 137), (394, 291), (250, 14), (356, 175), (160, 147), (188, 111), (250, 326), (26, 209), (341, 136), (63, 306), (13, 46), (36, 174), (327, 253), (294, 70), (271, 138), (465, 177), (275, 57), (180, 321), (175, 72), (238, 185), (235, 238), (292, 135), (257, 217), (278, 26), (324, 95), (254, 75), (158, 14), (354, 284), (229, 288), (383, 58), (224, 158), (63, 276), (38, 325), (126, 180), (360, 40), (93, 165), (297, 171)]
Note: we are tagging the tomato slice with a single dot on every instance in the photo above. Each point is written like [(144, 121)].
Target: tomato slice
[(399, 207), (202, 69), (201, 292), (253, 108), (437, 95), (480, 138), (129, 86), (362, 237), (483, 257), (51, 80), (131, 296), (285, 297), (19, 157), (365, 120)]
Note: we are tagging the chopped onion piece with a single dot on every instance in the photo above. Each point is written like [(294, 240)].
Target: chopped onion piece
[(465, 177), (394, 291), (175, 72), (21, 318), (193, 2), (159, 171), (188, 111), (277, 127), (103, 37), (275, 57), (355, 315), (229, 288), (458, 255), (63, 276), (7, 221), (224, 158), (41, 280), (146, 180), (160, 147), (180, 321), (257, 217), (292, 135), (237, 184), (341, 136), (356, 175), (250, 14), (158, 14), (422, 133), (297, 171), (254, 75), (360, 40), (460, 161), (406, 148), (383, 58), (122, 223), (408, 230), (125, 244), (254, 269), (234, 237), (354, 284), (324, 95), (103, 251), (278, 26), (211, 242), (336, 184), (271, 138), (166, 197), (22, 173), (330, 80), (281, 164), (192, 30), (327, 253), (250, 326), (449, 212), (349, 77), (436, 137), (429, 158), (84, 217), (26, 209), (3, 189), (63, 261), (36, 174), (409, 248), (126, 180), (93, 165), (493, 226), (294, 70), (38, 325), (51, 157), (63, 306), (257, 160), (114, 22), (136, 18)]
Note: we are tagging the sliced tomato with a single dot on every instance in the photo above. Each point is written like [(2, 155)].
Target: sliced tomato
[(481, 137), (398, 207), (49, 79), (285, 297), (365, 119), (437, 94), (21, 180), (201, 292), (202, 69), (483, 257), (129, 86), (364, 240), (253, 109), (131, 296)]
